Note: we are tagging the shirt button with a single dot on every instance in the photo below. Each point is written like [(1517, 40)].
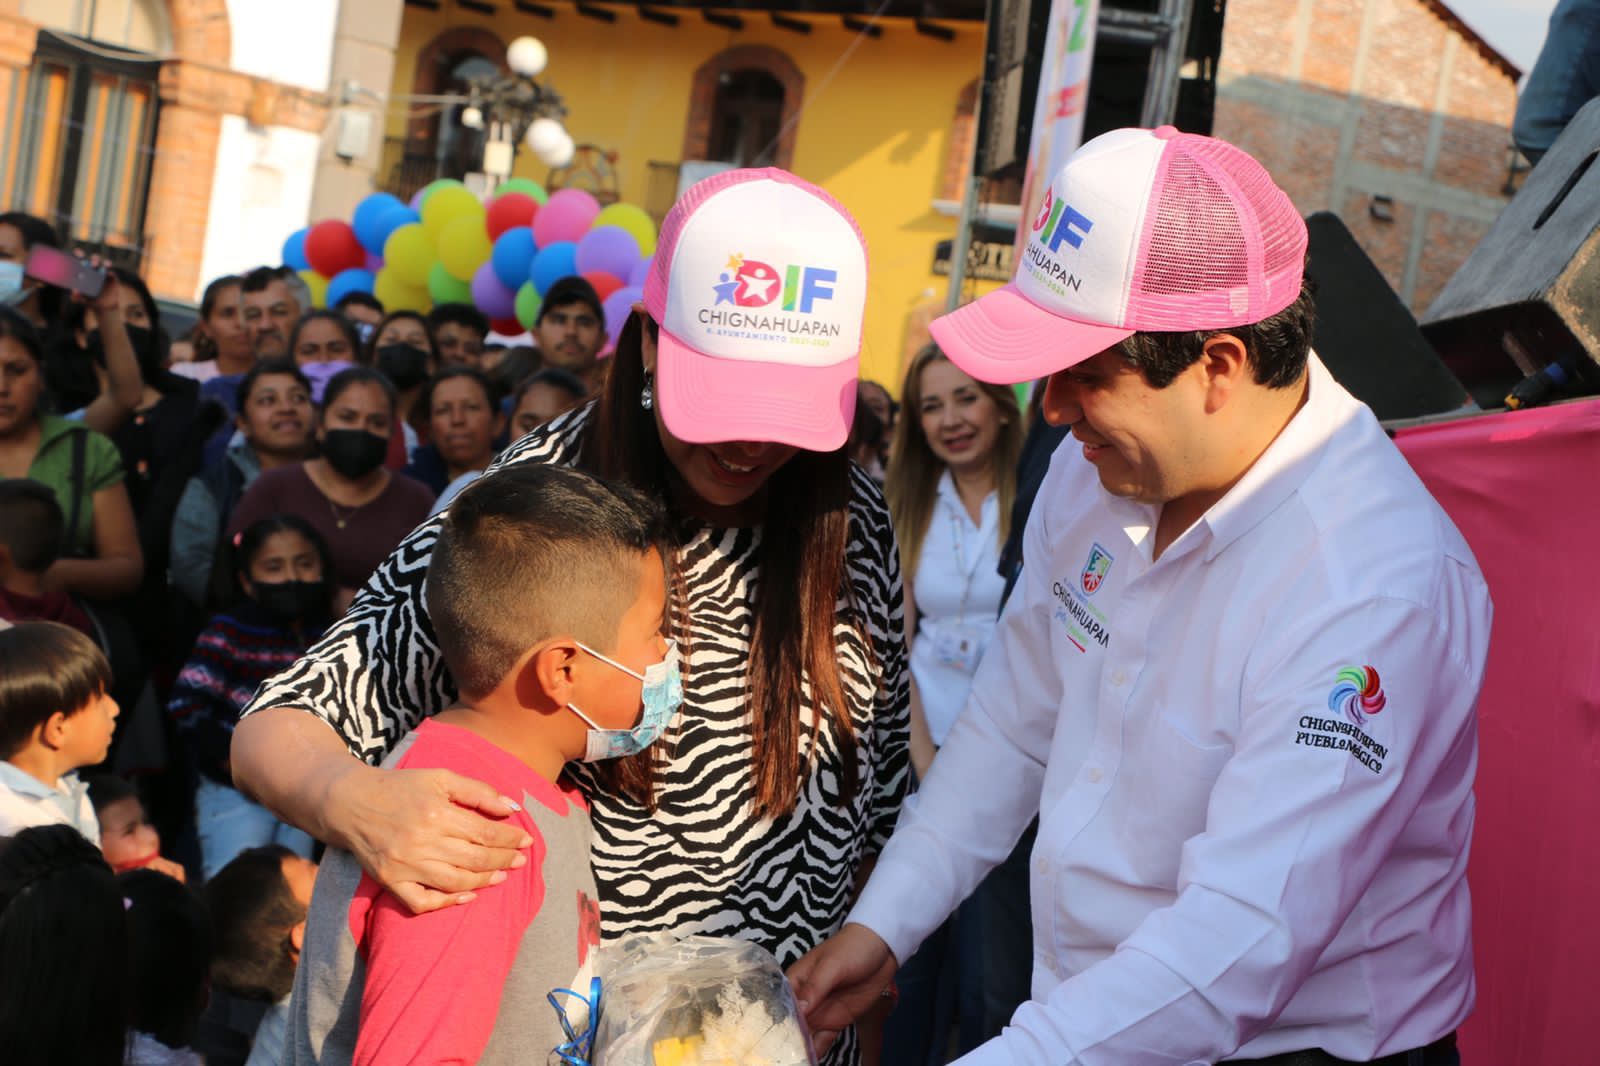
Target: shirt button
[(1041, 867), (1119, 677), (1095, 776)]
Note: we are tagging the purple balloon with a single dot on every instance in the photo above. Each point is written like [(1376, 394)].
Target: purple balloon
[(641, 272), (491, 297), (374, 262), (609, 249), (617, 307), (416, 199)]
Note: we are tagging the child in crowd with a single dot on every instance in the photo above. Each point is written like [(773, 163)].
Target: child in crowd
[(169, 954), (127, 839), (56, 715), (258, 906), (63, 952), (280, 567), (548, 595), (32, 530)]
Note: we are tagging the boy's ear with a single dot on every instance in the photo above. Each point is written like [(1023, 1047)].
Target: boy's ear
[(53, 733), (297, 938), (548, 674)]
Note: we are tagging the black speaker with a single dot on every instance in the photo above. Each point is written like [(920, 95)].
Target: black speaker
[(1529, 294), (1366, 336)]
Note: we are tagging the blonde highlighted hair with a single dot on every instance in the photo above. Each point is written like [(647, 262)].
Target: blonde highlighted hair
[(912, 481)]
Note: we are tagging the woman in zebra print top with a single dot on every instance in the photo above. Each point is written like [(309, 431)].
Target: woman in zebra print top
[(762, 809)]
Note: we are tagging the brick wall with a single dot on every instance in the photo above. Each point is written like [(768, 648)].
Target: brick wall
[(1349, 100)]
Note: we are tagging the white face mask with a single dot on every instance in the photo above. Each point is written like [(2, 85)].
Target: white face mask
[(662, 695)]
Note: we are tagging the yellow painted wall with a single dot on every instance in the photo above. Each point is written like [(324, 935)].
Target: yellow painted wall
[(875, 128)]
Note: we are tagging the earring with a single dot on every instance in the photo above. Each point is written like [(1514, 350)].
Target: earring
[(647, 398)]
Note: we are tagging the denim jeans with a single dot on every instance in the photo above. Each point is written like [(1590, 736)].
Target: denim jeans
[(940, 986), (228, 823), (1564, 77)]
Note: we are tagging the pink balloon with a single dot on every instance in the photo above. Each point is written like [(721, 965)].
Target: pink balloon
[(490, 296), (567, 217)]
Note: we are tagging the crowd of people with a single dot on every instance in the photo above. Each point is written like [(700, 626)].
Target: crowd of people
[(534, 648)]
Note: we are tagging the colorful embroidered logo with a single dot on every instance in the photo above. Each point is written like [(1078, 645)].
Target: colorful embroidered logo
[(752, 283), (1095, 570), (1357, 694)]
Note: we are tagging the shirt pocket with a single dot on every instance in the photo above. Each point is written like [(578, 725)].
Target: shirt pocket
[(1171, 777)]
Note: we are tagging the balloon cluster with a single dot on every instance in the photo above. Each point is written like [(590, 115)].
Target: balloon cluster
[(502, 256)]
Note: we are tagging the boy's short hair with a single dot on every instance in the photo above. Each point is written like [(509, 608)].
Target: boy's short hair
[(106, 789), (31, 524), (357, 298), (252, 911), (460, 315), (45, 667), (529, 552)]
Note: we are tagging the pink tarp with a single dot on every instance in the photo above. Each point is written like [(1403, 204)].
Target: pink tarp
[(1524, 488)]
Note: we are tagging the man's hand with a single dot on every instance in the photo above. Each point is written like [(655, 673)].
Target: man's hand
[(842, 979)]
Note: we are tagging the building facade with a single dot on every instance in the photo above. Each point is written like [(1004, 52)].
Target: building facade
[(1393, 114)]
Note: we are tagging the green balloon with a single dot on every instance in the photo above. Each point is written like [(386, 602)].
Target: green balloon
[(446, 288), (433, 187), (528, 302), (526, 186)]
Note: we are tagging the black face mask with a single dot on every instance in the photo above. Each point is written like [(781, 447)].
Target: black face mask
[(293, 601), (405, 365), (355, 453), (146, 349)]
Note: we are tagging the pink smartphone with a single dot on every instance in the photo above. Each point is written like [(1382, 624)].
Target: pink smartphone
[(64, 270)]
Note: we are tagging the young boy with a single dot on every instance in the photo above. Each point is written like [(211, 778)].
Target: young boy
[(56, 715), (548, 595), (127, 839), (31, 534)]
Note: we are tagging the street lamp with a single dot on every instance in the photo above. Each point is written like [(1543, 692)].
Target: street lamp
[(517, 109)]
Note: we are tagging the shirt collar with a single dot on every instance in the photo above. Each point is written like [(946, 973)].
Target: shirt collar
[(25, 784), (1287, 462)]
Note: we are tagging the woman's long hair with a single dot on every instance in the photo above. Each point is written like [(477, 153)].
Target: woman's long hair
[(802, 575), (912, 482)]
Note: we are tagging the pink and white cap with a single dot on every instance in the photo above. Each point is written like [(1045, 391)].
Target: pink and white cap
[(759, 284), (1141, 231)]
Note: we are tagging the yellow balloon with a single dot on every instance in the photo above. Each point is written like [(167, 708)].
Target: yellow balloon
[(396, 294), (448, 204), (640, 226), (408, 255), (464, 246), (318, 286)]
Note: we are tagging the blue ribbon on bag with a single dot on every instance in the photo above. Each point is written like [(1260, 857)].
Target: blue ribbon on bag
[(579, 1046)]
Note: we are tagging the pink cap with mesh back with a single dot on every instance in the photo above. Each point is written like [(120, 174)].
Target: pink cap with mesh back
[(758, 284), (1141, 231)]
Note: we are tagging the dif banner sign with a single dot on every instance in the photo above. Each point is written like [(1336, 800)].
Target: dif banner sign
[(1059, 108)]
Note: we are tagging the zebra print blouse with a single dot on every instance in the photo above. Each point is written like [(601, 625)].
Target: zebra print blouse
[(702, 862)]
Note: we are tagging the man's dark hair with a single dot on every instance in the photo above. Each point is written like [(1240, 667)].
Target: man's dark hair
[(259, 279), (556, 378), (526, 553), (45, 667), (267, 368), (572, 289), (252, 911), (169, 954), (357, 298), (459, 315), (1277, 346), (31, 524)]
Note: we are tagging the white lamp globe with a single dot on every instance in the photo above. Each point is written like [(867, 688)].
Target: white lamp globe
[(544, 135), (527, 56), (472, 118), (559, 155)]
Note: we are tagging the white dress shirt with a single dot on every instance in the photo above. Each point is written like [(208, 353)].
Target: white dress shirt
[(1243, 849), (957, 593), (25, 801)]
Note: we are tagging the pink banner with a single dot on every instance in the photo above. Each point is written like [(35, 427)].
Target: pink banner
[(1521, 488)]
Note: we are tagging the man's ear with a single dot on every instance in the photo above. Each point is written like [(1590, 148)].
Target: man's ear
[(1225, 365)]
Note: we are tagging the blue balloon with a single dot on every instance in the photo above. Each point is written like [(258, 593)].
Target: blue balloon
[(294, 250), (367, 220), (348, 281), (513, 257), (552, 263)]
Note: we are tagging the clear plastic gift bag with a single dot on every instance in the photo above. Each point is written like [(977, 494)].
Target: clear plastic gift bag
[(696, 1001)]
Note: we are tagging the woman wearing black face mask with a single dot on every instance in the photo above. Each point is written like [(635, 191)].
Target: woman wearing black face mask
[(361, 509), (283, 601), (403, 350)]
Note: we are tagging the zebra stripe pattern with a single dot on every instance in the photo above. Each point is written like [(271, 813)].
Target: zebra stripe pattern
[(702, 862)]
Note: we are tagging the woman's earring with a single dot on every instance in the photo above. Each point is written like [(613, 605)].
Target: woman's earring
[(647, 398)]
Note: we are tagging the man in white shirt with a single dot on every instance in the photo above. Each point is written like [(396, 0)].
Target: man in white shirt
[(1236, 681)]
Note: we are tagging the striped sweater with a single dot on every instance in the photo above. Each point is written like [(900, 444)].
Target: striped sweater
[(239, 649)]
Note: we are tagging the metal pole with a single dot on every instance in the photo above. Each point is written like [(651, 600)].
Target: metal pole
[(963, 241)]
